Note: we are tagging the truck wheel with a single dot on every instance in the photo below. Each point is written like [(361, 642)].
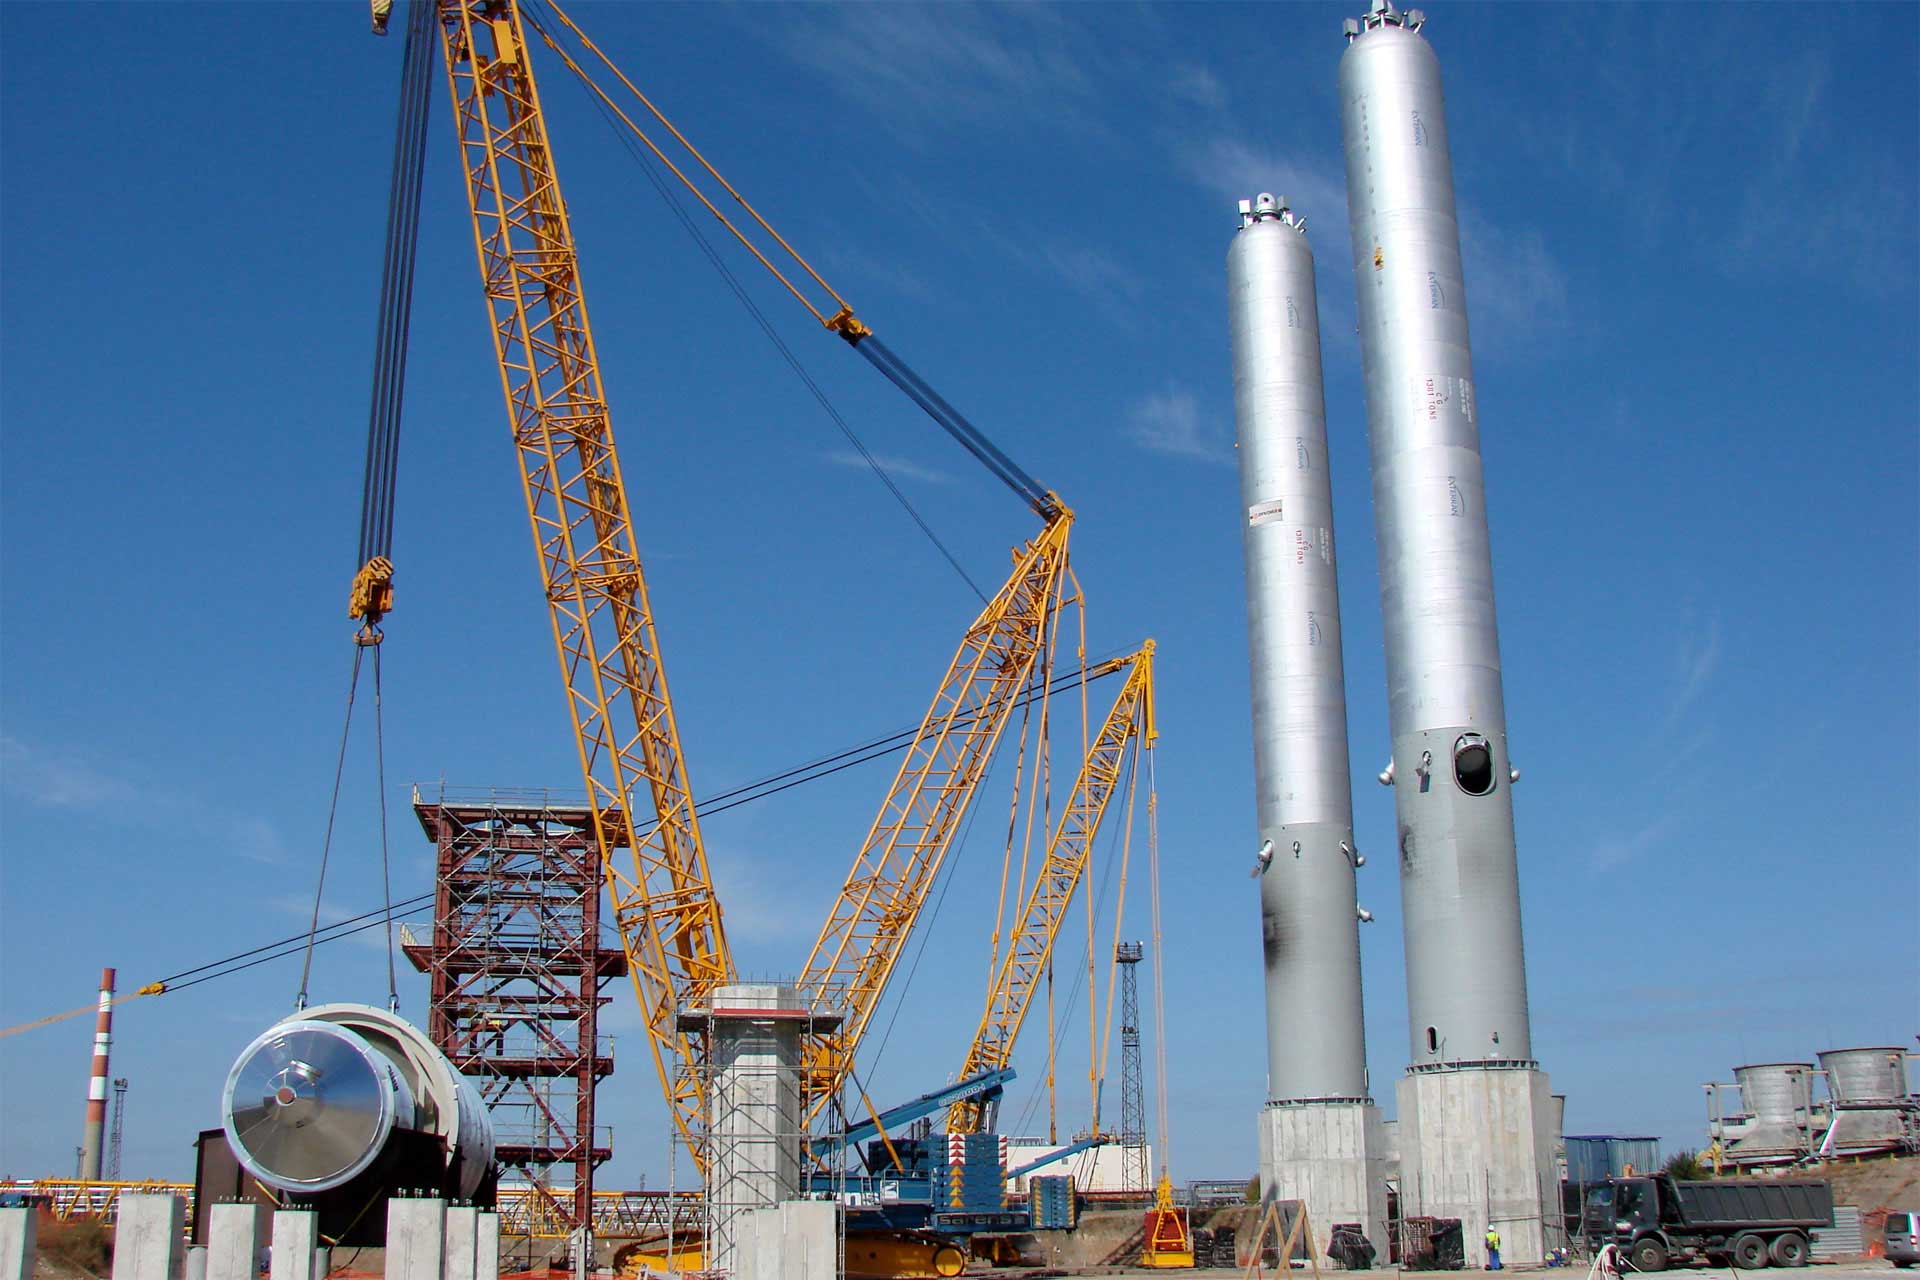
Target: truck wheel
[(1789, 1250), (1648, 1255), (1749, 1252)]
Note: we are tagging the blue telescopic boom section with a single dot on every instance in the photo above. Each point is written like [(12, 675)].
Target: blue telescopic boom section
[(956, 425), (1052, 1157), (994, 1081)]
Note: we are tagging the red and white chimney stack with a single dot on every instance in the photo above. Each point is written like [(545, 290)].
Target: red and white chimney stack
[(95, 1139)]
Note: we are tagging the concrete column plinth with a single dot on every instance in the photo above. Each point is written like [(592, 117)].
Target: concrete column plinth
[(486, 1247), (147, 1237), (1476, 1143), (416, 1239), (462, 1238), (296, 1239), (19, 1237), (234, 1234), (1330, 1156)]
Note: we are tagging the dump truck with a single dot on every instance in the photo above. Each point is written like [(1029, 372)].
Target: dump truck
[(1658, 1221)]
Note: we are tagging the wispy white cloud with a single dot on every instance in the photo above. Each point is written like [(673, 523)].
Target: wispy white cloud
[(898, 468), (1696, 659), (1516, 288), (57, 778), (1198, 85), (1616, 849), (1817, 202), (934, 62), (1082, 267), (1678, 735), (1235, 169), (858, 266), (763, 905), (1170, 422)]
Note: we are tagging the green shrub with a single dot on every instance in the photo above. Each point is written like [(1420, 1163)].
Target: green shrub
[(1686, 1166)]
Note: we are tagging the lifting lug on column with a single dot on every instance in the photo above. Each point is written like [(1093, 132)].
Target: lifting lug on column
[(1262, 858)]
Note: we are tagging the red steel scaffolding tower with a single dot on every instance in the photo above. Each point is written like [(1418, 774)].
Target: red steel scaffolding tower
[(516, 968)]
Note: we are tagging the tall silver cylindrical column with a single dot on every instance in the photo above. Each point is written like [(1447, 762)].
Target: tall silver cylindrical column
[(1476, 1123), (1321, 1138), (1316, 1047), (1466, 976)]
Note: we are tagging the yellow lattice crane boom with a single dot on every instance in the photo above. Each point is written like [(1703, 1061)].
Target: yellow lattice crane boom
[(663, 900), (1044, 910), (899, 861)]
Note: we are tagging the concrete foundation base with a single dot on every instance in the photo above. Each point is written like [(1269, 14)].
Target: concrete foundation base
[(416, 1239), (234, 1236), (1476, 1143), (486, 1246), (296, 1246), (795, 1240), (147, 1237), (1331, 1157), (462, 1225), (18, 1235)]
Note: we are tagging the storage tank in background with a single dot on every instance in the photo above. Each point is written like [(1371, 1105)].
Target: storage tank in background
[(1870, 1101), (1778, 1099)]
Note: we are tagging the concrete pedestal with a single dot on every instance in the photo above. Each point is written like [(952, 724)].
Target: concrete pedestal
[(486, 1247), (416, 1239), (234, 1237), (296, 1240), (1330, 1156), (19, 1234), (796, 1240), (461, 1235), (147, 1237), (1476, 1143)]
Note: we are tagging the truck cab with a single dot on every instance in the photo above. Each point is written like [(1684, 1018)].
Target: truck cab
[(1621, 1212)]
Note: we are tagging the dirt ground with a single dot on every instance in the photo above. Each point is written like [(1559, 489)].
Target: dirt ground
[(1872, 1269)]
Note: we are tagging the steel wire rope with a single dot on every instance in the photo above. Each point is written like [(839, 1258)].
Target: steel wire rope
[(1071, 1003), (380, 776), (396, 288), (712, 255), (326, 844), (897, 992), (719, 803)]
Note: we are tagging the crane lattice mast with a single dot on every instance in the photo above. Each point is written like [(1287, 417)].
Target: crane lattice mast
[(663, 900), (1064, 865)]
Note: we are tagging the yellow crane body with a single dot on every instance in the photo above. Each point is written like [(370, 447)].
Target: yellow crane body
[(867, 927), (1068, 853), (663, 900)]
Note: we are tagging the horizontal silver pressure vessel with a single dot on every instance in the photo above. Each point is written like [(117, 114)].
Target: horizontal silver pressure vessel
[(1466, 973), (1316, 1048), (312, 1102)]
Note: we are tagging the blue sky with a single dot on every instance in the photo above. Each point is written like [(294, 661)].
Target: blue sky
[(1692, 280)]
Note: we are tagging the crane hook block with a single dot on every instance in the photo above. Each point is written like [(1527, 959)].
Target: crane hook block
[(372, 594)]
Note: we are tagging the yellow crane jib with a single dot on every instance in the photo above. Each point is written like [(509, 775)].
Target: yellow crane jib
[(664, 906), (899, 862), (1068, 853)]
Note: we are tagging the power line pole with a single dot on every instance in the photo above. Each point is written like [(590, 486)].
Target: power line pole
[(119, 1122), (1133, 1093)]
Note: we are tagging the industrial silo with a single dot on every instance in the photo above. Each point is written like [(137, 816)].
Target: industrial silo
[(1777, 1098), (1871, 1107)]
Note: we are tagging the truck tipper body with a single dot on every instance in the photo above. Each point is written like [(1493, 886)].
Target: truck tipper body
[(1658, 1221)]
